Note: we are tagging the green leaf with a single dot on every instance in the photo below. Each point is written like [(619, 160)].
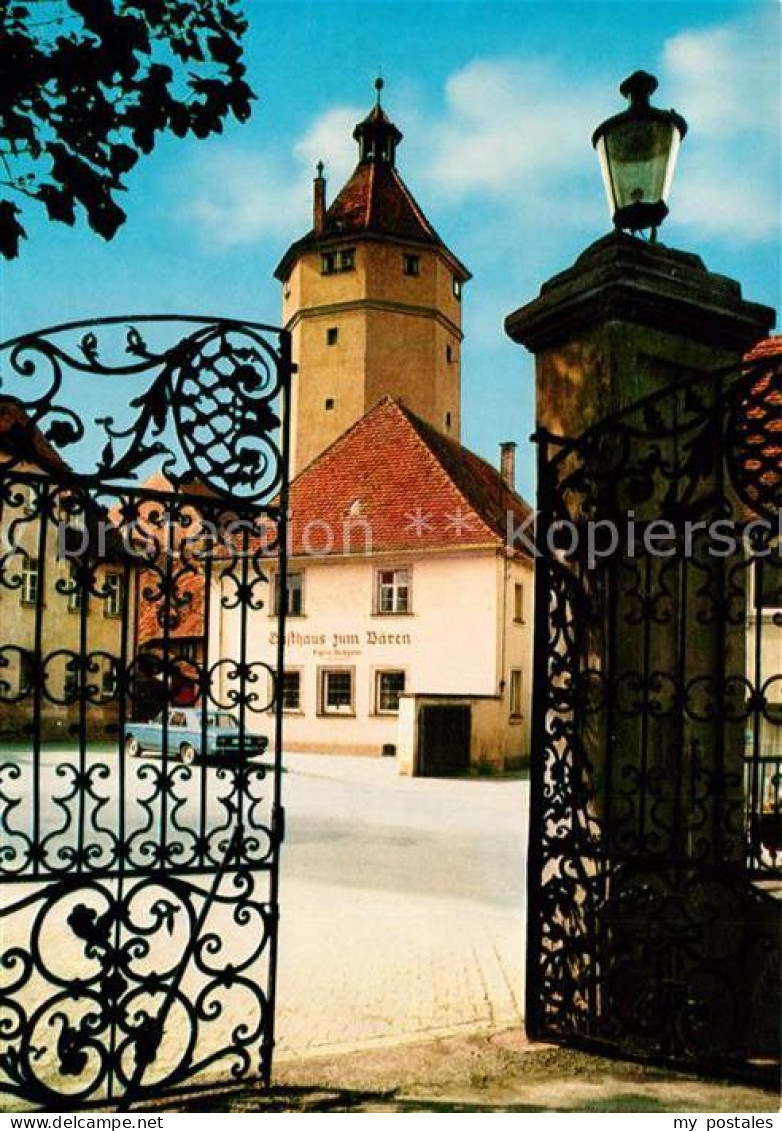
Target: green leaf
[(11, 231)]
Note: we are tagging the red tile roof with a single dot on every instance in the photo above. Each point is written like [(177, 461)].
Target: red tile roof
[(184, 614), (767, 348), (410, 487), (758, 452), (375, 201), (24, 440)]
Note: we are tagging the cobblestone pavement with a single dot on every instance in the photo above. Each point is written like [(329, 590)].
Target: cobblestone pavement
[(401, 905)]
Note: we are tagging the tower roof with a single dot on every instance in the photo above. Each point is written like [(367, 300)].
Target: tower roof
[(375, 201)]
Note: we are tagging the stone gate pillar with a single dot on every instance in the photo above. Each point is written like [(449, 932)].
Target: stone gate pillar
[(636, 349), (624, 321)]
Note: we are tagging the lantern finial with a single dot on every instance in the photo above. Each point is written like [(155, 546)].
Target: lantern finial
[(639, 88)]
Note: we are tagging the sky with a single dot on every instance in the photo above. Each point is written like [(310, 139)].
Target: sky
[(497, 102)]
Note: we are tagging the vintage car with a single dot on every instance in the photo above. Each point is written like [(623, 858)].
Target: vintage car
[(187, 738)]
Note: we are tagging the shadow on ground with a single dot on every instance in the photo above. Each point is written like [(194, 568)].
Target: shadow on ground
[(498, 1072)]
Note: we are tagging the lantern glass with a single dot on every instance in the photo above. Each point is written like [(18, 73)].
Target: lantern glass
[(637, 150), (637, 160)]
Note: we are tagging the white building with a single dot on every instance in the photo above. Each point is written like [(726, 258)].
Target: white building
[(409, 618)]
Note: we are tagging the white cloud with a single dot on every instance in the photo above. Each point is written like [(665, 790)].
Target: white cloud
[(514, 133), (725, 80), (330, 139), (722, 203), (510, 126), (238, 197)]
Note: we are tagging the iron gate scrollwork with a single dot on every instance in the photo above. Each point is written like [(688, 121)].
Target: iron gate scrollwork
[(656, 788), (143, 489)]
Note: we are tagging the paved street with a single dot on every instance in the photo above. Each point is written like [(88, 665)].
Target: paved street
[(401, 899), (402, 903)]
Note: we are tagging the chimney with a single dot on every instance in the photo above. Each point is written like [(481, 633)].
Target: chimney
[(319, 200), (508, 464)]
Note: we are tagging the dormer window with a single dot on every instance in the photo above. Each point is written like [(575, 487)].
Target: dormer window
[(411, 265)]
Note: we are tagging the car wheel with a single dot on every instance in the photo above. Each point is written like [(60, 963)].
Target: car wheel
[(187, 753), (133, 747)]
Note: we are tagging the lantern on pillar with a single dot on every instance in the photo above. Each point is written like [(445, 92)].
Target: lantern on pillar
[(637, 151)]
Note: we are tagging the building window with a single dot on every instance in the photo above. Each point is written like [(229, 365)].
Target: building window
[(188, 650), (768, 582), (336, 691), (515, 694), (393, 591), (411, 265), (448, 354), (29, 581), (328, 404), (332, 262), (26, 672), (113, 600), (331, 336), (75, 516), (457, 288), (75, 591), (108, 682), (447, 420), (388, 687), (290, 692), (72, 680), (518, 603), (294, 605)]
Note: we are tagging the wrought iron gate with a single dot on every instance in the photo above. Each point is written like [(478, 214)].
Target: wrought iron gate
[(143, 489), (656, 793)]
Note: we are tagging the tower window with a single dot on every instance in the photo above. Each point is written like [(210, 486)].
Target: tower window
[(328, 404), (333, 262), (331, 336), (447, 420), (448, 354), (411, 265), (457, 288)]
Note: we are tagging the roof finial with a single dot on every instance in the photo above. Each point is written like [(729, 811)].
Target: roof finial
[(379, 84), (319, 168)]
